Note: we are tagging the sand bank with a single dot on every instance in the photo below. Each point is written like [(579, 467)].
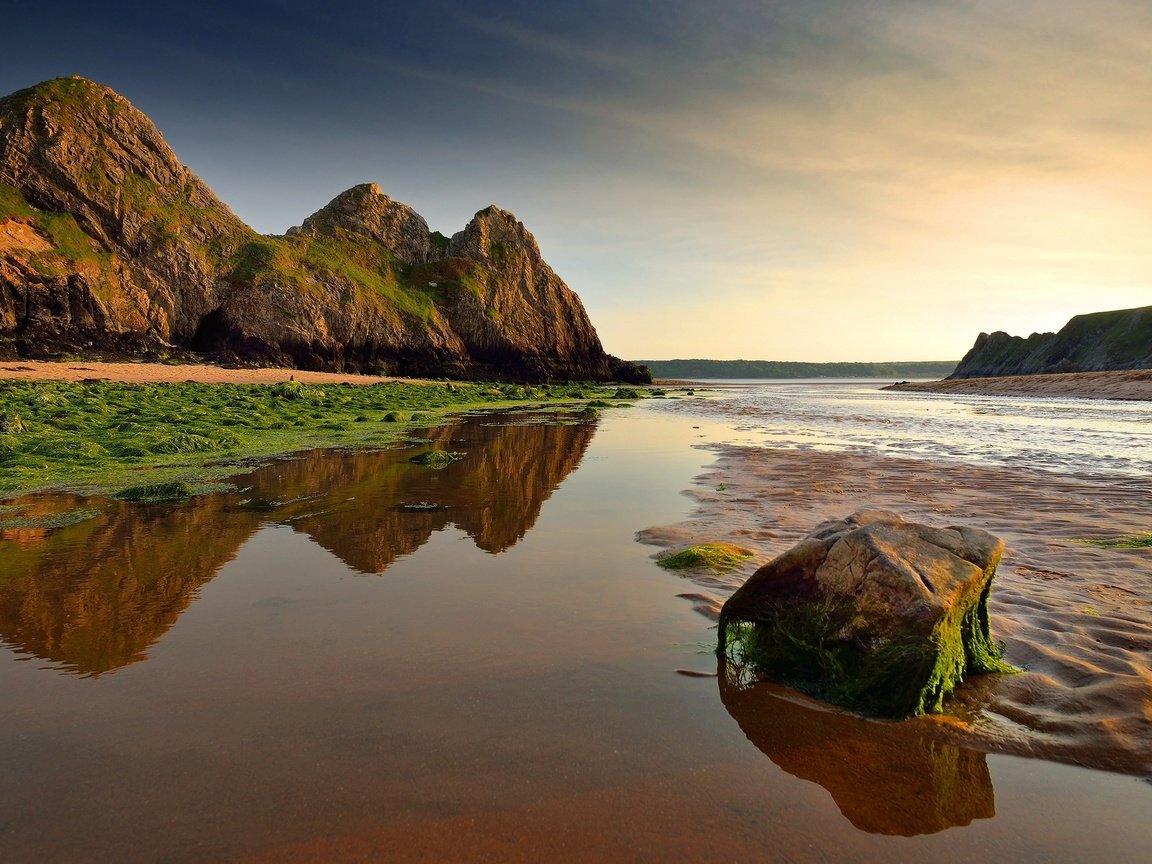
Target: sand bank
[(154, 373), (1077, 617), (1127, 384)]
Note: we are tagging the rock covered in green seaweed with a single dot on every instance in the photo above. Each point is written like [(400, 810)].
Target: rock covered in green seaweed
[(871, 612)]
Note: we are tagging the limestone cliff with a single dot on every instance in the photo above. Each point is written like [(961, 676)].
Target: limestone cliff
[(109, 245), (1097, 342)]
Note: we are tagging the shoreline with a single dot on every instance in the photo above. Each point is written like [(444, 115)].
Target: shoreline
[(1076, 617), (156, 432), (1126, 384), (165, 373)]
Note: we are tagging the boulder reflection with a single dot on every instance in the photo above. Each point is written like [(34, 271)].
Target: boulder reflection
[(886, 778), (94, 596)]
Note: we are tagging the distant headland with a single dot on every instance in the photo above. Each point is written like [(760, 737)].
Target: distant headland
[(783, 369)]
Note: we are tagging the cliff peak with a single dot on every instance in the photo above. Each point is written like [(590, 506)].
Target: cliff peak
[(365, 211), (70, 145), (494, 236)]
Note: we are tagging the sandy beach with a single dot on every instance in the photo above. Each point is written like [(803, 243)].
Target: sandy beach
[(155, 373), (1076, 617), (1126, 384)]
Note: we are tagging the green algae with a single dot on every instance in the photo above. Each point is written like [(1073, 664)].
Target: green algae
[(103, 436), (895, 674), (1132, 541), (718, 557), (176, 490), (436, 458)]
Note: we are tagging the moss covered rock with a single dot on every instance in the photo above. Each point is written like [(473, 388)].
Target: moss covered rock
[(871, 612)]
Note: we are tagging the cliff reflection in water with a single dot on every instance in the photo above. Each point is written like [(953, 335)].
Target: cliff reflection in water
[(886, 778), (94, 596)]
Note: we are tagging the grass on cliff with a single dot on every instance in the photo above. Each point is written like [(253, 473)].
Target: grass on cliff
[(72, 245), (109, 437), (302, 260)]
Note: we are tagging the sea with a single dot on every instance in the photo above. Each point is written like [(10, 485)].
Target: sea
[(350, 657)]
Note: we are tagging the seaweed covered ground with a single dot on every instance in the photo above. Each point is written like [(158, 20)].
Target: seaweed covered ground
[(105, 436)]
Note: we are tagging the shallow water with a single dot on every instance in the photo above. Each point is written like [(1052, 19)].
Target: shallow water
[(357, 658), (1085, 436)]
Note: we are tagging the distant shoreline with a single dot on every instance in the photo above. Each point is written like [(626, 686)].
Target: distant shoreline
[(1127, 384)]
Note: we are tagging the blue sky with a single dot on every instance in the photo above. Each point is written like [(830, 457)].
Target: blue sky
[(824, 180)]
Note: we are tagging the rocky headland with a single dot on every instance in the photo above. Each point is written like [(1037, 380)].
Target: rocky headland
[(1096, 342), (110, 247)]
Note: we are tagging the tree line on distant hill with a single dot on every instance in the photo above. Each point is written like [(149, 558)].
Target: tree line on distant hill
[(785, 369)]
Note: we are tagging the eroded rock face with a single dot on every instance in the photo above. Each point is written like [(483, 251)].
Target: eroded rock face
[(872, 612), (109, 245), (367, 212)]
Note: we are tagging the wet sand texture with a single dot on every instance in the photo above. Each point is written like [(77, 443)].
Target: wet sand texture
[(1125, 384), (1076, 617)]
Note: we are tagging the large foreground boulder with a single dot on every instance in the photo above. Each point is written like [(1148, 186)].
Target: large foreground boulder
[(871, 612)]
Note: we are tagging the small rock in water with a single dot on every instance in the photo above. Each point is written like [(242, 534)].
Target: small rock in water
[(871, 612)]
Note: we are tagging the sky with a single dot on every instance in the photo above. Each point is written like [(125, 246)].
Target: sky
[(814, 180)]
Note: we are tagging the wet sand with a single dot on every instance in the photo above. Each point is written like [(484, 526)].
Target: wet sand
[(156, 373), (1077, 617), (1126, 384)]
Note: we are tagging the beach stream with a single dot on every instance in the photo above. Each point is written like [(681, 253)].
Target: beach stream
[(351, 657)]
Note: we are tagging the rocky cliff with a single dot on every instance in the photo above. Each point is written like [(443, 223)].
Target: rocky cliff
[(108, 245), (1097, 342)]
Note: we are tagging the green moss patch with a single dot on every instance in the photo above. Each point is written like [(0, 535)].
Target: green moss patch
[(176, 490), (105, 436), (1135, 541), (436, 458), (718, 557)]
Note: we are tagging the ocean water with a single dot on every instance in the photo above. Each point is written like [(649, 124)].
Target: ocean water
[(353, 658), (1066, 435)]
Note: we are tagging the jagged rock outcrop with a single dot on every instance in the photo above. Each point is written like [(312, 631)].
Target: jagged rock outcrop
[(109, 245), (366, 211), (1096, 342)]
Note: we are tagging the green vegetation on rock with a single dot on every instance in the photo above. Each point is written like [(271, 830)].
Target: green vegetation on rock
[(871, 612), (718, 557), (1098, 341), (436, 458), (803, 646)]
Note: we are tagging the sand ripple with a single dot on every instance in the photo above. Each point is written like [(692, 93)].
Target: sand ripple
[(1078, 618)]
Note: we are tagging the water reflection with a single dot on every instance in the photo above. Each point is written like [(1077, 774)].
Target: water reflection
[(94, 596), (886, 778)]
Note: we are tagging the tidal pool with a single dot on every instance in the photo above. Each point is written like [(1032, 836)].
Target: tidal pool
[(355, 658)]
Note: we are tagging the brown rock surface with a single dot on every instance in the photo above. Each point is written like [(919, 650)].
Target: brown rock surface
[(873, 612), (366, 211), (108, 245)]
